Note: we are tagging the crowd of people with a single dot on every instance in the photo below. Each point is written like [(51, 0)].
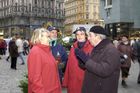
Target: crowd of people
[(130, 52), (93, 64), (16, 49)]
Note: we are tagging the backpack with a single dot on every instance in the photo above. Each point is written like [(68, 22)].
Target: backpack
[(25, 44)]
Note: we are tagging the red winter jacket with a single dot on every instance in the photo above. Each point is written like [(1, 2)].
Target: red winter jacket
[(42, 71), (74, 75)]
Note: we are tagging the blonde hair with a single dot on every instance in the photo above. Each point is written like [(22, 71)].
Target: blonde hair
[(37, 34)]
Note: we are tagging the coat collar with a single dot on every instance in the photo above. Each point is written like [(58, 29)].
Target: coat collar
[(102, 44), (75, 45), (125, 44), (43, 47)]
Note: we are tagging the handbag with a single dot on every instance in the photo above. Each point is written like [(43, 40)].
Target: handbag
[(122, 59)]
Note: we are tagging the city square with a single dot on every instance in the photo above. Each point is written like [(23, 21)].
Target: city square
[(56, 39), (9, 79)]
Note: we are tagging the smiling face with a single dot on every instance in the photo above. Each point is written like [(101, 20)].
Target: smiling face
[(81, 36), (45, 38), (40, 35)]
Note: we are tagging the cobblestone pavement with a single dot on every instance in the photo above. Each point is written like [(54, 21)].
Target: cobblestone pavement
[(9, 79), (133, 87)]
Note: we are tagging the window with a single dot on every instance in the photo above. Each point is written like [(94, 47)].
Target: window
[(108, 3), (22, 1), (59, 5), (35, 2), (87, 1), (94, 8), (108, 12), (87, 8), (87, 16)]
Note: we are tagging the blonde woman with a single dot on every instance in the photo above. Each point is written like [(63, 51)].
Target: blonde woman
[(42, 68)]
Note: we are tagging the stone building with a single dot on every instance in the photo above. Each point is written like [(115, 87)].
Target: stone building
[(81, 12), (22, 16), (121, 16)]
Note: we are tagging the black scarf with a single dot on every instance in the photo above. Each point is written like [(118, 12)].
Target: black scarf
[(81, 44)]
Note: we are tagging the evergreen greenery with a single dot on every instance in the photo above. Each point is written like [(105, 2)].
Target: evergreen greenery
[(24, 84)]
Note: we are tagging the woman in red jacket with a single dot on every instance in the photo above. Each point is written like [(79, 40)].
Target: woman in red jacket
[(74, 73), (42, 68)]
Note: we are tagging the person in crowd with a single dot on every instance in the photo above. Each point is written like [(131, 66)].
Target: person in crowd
[(8, 42), (3, 47), (19, 43), (42, 68), (74, 74), (132, 42), (25, 47), (102, 66), (1, 52), (116, 42), (58, 51), (126, 51), (13, 51), (137, 55)]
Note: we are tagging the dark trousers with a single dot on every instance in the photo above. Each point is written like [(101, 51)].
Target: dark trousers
[(125, 71), (26, 50), (13, 62)]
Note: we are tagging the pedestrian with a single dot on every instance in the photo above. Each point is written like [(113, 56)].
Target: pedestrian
[(125, 50), (3, 47), (42, 68), (7, 59), (116, 42), (137, 54), (13, 51), (58, 51), (19, 43), (1, 52), (74, 74), (102, 66), (25, 47)]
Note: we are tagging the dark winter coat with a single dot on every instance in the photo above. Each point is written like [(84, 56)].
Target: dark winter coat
[(137, 48), (126, 49), (13, 49), (102, 69), (59, 48)]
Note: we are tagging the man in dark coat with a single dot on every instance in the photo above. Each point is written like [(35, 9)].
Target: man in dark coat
[(137, 54), (102, 66), (58, 51), (13, 51)]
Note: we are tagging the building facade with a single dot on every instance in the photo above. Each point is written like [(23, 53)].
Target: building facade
[(81, 12), (22, 16), (121, 16)]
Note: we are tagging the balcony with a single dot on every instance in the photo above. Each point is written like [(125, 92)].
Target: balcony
[(34, 11)]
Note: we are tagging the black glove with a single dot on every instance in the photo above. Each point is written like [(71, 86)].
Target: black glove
[(81, 55), (81, 65)]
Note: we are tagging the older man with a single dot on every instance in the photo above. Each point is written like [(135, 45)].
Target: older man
[(58, 50), (102, 66)]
